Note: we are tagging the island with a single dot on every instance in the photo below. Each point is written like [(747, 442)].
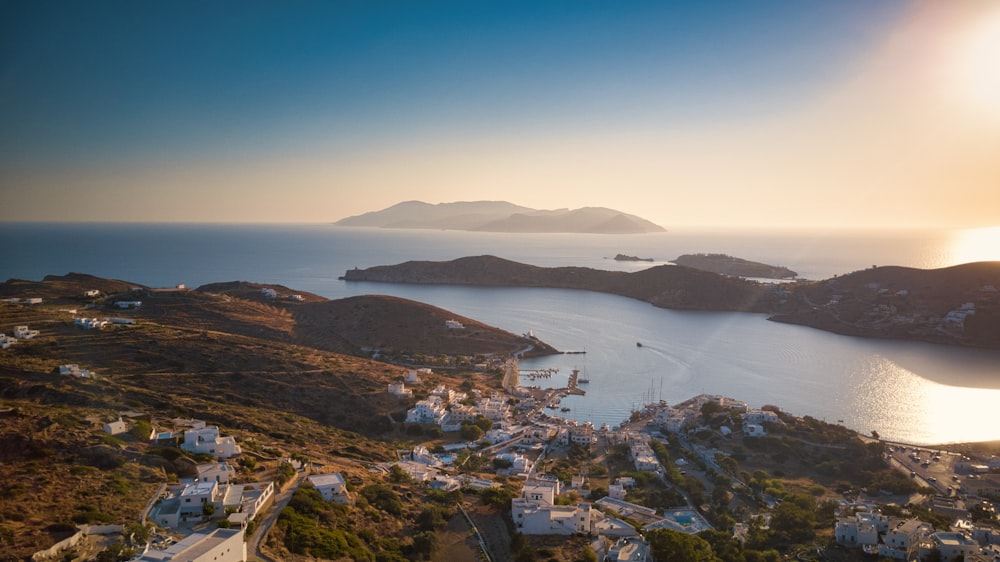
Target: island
[(624, 257), (728, 265), (958, 305), (501, 216)]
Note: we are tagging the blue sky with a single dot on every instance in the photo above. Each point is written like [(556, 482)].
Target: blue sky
[(358, 105)]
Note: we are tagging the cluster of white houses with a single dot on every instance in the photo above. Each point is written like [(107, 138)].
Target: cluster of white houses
[(910, 539), (680, 417)]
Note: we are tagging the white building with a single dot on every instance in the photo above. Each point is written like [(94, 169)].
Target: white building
[(519, 464), (412, 376), (429, 410), (331, 486), (753, 430), (453, 325), (219, 545), (616, 491), (91, 293), (269, 293), (862, 529), (90, 323), (399, 390), (221, 472), (128, 304), (532, 518), (208, 441), (761, 417), (73, 370), (116, 427), (24, 333), (951, 545), (903, 539)]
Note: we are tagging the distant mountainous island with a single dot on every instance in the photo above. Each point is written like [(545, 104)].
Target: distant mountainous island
[(957, 305), (501, 216), (728, 265)]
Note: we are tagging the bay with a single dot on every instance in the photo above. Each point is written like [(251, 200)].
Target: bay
[(913, 392)]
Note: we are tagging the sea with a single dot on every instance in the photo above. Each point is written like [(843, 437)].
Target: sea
[(905, 391)]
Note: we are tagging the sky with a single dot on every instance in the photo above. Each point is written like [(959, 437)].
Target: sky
[(704, 113)]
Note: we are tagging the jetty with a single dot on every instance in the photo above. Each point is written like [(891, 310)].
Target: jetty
[(572, 386)]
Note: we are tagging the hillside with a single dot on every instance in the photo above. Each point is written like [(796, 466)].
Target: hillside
[(955, 305), (500, 216), (266, 370)]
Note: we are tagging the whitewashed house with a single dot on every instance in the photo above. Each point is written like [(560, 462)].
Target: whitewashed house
[(207, 440), (25, 333), (399, 390), (331, 486), (532, 518), (221, 472), (90, 323), (116, 427), (952, 546), (453, 325), (429, 410), (902, 540), (74, 370), (860, 530), (753, 430)]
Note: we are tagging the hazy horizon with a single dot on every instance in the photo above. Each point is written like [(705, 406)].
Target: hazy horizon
[(687, 114)]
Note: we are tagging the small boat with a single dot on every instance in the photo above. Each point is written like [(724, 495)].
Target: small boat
[(638, 344), (583, 381), (564, 410)]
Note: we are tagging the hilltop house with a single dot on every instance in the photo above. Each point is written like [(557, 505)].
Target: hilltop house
[(208, 441), (534, 513)]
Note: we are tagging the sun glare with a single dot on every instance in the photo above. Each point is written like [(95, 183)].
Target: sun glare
[(979, 64), (980, 244)]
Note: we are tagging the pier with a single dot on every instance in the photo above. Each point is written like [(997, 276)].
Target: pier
[(532, 374), (572, 385)]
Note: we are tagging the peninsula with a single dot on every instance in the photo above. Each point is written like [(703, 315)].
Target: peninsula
[(957, 305), (501, 216)]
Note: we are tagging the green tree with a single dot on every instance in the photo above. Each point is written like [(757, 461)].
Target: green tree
[(794, 520), (665, 544), (484, 423), (471, 432)]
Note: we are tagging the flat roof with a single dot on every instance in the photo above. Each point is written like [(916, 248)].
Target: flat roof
[(332, 479)]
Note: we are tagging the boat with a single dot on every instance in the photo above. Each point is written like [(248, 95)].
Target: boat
[(583, 380), (564, 409), (638, 344)]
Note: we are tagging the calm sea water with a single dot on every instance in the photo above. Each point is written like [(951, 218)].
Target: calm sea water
[(914, 392)]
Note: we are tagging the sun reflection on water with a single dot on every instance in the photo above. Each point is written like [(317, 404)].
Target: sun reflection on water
[(923, 411), (978, 244)]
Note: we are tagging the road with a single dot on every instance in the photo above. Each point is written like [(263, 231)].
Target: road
[(264, 525)]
